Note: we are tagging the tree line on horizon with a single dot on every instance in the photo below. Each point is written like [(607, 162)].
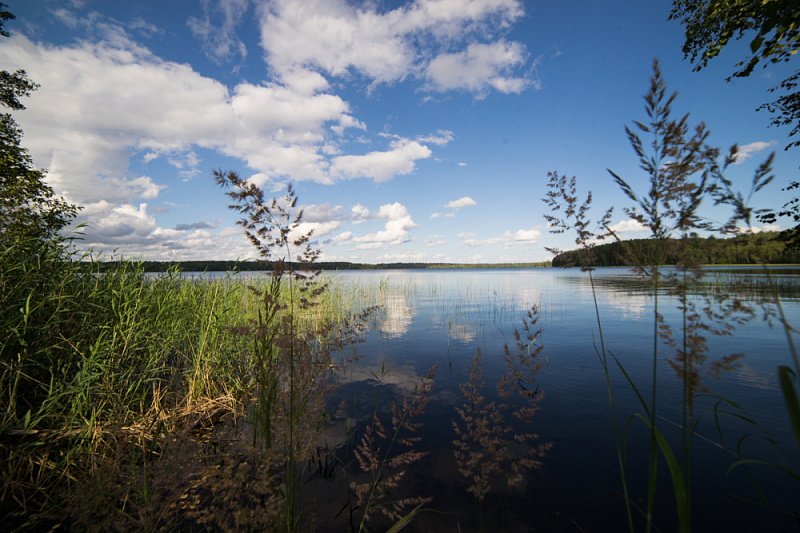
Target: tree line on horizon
[(261, 266), (769, 248)]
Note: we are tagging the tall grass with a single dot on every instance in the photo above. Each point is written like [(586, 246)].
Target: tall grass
[(683, 171), (100, 369)]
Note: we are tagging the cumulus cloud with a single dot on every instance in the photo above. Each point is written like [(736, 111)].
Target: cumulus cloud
[(342, 238), (107, 101), (359, 213), (388, 46), (756, 229), (521, 238), (455, 205), (381, 166), (629, 226), (129, 231), (324, 213), (466, 201), (509, 240), (479, 68), (316, 229), (398, 224), (83, 128)]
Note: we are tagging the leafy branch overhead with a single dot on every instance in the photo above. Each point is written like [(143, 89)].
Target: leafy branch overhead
[(773, 27), (29, 210)]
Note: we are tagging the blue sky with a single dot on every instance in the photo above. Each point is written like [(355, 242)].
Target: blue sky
[(412, 130)]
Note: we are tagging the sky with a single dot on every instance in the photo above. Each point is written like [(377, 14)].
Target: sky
[(411, 131)]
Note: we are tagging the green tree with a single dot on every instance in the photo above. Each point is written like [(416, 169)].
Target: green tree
[(774, 28), (29, 211)]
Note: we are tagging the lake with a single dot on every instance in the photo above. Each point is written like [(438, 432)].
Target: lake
[(449, 316)]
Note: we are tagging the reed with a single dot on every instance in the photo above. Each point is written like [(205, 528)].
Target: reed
[(104, 369), (682, 171)]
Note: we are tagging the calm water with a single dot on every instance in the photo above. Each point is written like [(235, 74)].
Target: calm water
[(446, 316)]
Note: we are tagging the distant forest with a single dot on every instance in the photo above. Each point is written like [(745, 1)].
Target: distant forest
[(749, 249), (255, 266), (753, 248)]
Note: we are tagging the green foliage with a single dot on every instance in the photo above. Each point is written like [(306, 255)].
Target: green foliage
[(29, 211), (747, 249), (34, 270), (32, 251), (774, 30)]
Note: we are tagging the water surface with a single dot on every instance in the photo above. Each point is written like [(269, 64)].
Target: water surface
[(448, 316)]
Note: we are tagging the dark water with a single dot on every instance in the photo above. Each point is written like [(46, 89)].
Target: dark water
[(447, 316)]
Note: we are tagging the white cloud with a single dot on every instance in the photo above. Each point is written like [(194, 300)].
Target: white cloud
[(336, 37), (107, 100), (509, 240), (466, 201), (435, 215), (342, 239), (346, 121), (628, 226), (478, 68), (305, 81), (381, 166), (99, 103), (455, 205), (482, 242), (219, 36), (360, 213), (187, 163), (145, 28), (317, 229), (131, 232), (746, 151), (395, 231), (521, 238), (756, 229), (387, 46), (441, 138), (323, 213)]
